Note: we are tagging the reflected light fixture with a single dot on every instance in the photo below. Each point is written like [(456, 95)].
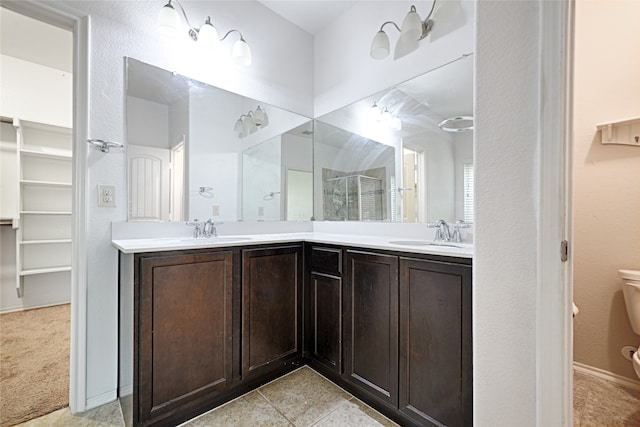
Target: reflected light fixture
[(413, 29), (169, 22), (384, 116), (251, 122)]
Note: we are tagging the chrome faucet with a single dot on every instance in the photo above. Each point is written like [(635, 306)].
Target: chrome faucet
[(442, 233), (209, 229)]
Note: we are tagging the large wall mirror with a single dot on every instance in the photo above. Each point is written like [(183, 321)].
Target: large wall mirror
[(402, 155), (195, 151)]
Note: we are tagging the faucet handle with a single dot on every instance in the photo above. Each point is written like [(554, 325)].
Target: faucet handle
[(456, 233), (197, 231)]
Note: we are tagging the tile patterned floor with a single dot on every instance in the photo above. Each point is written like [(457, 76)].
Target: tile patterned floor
[(304, 398)]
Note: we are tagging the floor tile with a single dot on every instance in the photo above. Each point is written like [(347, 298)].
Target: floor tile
[(248, 410), (304, 397), (354, 413), (108, 415)]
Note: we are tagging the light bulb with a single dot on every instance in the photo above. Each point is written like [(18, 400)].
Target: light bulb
[(169, 20)]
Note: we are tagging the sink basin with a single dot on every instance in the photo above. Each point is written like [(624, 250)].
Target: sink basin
[(425, 243)]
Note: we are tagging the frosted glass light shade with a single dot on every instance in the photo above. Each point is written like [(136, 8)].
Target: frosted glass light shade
[(208, 36), (241, 54), (169, 21), (240, 129), (250, 123), (380, 46), (386, 117), (411, 26), (396, 124), (259, 116), (375, 113)]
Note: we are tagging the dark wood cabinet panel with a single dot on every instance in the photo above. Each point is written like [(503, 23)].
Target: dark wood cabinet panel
[(435, 343), (271, 318), (184, 330), (326, 320), (371, 324)]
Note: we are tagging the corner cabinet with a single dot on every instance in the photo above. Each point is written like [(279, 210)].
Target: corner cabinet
[(271, 314), (405, 333)]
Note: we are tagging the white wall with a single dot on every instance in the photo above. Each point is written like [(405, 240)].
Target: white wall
[(35, 92), (262, 175), (606, 181), (120, 29), (147, 123), (344, 71)]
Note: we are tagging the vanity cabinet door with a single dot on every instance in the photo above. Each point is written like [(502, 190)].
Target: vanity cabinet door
[(435, 343), (271, 309), (371, 325), (325, 302), (184, 332)]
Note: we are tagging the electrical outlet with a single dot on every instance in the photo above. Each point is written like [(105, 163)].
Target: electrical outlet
[(260, 211), (106, 196), (215, 210)]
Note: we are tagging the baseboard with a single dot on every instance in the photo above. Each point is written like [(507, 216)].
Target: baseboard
[(17, 309), (606, 375), (101, 399), (125, 390)]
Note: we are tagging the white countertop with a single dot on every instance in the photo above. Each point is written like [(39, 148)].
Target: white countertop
[(420, 246)]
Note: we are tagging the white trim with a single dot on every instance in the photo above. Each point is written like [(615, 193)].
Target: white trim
[(554, 305), (56, 14), (102, 399), (35, 307), (606, 375)]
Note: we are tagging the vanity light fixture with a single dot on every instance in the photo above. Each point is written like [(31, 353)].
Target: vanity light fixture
[(251, 122), (413, 29), (169, 22)]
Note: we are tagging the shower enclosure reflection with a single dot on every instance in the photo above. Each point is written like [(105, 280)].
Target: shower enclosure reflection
[(386, 157)]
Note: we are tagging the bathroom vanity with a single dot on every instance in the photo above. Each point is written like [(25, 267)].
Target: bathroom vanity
[(204, 322)]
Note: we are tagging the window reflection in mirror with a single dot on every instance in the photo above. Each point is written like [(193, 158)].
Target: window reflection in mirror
[(193, 152), (385, 158)]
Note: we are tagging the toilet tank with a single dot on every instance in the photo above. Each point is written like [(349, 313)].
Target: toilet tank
[(631, 291)]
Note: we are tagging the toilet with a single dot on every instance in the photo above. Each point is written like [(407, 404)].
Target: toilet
[(631, 291)]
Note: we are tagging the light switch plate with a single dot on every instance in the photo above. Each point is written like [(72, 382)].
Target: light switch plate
[(106, 196)]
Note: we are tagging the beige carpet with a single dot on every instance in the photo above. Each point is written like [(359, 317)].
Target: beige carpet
[(34, 363)]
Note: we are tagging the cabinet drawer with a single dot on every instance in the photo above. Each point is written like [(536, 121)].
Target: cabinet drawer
[(326, 260)]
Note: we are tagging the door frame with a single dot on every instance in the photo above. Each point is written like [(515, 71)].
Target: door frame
[(63, 17)]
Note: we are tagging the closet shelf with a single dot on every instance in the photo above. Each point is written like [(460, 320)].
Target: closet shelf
[(621, 132), (35, 271), (46, 153), (45, 212), (45, 183), (44, 241)]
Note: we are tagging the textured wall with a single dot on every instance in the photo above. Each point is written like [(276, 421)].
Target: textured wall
[(606, 181)]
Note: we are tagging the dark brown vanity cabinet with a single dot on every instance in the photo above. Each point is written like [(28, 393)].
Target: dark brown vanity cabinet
[(435, 343), (407, 336), (271, 308), (183, 331), (325, 314), (371, 324)]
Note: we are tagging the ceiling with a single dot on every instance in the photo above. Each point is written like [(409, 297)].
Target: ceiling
[(310, 15), (34, 41)]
